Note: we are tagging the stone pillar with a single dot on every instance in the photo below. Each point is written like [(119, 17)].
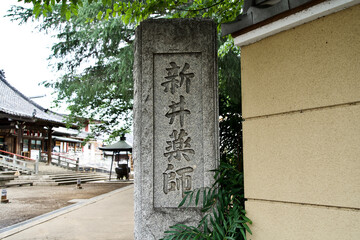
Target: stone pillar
[(175, 120)]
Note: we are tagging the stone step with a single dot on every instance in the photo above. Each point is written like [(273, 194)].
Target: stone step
[(34, 183), (82, 181), (60, 179), (60, 182), (29, 177), (22, 171), (19, 184), (69, 173), (7, 172), (74, 175), (33, 180), (54, 176), (7, 177), (45, 184), (76, 178)]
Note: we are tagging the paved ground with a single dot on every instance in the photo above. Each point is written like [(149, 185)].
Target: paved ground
[(106, 217), (27, 202)]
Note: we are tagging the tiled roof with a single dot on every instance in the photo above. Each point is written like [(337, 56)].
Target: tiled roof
[(118, 146), (260, 12), (122, 145), (15, 103)]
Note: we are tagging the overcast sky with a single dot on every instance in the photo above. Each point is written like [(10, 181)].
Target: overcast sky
[(23, 56)]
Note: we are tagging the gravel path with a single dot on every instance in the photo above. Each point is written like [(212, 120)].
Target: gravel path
[(31, 201)]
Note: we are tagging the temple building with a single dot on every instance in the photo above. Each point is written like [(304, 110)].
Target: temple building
[(25, 127)]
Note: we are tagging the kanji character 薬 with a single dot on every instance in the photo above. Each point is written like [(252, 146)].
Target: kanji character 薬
[(179, 146)]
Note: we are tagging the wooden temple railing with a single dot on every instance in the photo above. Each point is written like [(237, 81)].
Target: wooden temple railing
[(19, 163), (61, 161)]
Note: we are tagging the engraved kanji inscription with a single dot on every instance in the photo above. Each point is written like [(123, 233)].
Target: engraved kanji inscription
[(186, 76), (177, 109), (169, 179), (180, 179), (172, 82), (178, 114), (179, 146)]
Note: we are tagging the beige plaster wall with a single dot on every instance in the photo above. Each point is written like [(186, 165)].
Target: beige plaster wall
[(301, 105), (310, 157), (313, 65), (298, 222)]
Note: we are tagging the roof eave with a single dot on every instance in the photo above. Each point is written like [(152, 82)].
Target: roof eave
[(256, 17), (291, 19)]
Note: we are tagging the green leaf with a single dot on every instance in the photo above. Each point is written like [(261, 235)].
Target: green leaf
[(99, 15), (247, 228), (127, 16), (204, 198), (37, 10), (197, 197), (116, 7), (68, 15), (243, 233), (184, 199), (191, 197), (246, 219)]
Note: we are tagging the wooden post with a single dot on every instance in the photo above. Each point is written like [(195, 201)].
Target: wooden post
[(49, 144), (112, 161), (19, 139), (42, 142)]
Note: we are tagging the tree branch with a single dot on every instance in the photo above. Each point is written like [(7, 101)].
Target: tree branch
[(200, 9)]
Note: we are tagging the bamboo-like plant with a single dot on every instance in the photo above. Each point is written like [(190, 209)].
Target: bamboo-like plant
[(223, 208)]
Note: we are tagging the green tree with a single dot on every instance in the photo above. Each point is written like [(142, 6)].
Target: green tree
[(138, 10), (101, 32), (230, 108), (96, 59)]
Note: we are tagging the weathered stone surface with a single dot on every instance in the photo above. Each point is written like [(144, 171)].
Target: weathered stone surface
[(175, 120)]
